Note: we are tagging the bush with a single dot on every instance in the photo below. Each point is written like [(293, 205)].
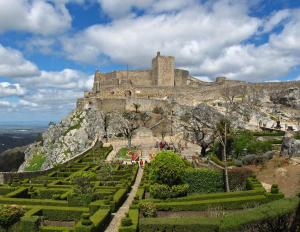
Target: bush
[(10, 214), (246, 140), (238, 178), (167, 168), (191, 224), (126, 221), (275, 216), (274, 188), (148, 209), (163, 191), (82, 181), (203, 180)]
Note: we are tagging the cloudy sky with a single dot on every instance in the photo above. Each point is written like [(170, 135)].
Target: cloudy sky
[(49, 49)]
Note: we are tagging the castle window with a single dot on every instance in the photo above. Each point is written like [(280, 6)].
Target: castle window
[(112, 92), (128, 93)]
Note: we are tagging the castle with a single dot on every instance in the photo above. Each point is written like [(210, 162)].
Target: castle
[(118, 90)]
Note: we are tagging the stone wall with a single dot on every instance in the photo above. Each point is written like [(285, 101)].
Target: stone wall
[(146, 104)]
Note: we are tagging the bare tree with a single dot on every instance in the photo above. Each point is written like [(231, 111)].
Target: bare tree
[(136, 106), (144, 117), (230, 95), (198, 123), (106, 118), (222, 131), (127, 124)]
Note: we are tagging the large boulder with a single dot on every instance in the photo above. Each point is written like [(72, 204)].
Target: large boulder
[(289, 97), (290, 146)]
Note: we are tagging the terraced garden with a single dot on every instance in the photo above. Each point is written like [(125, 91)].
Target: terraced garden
[(248, 210), (80, 196)]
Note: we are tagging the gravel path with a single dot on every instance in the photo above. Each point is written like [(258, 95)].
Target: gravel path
[(116, 221)]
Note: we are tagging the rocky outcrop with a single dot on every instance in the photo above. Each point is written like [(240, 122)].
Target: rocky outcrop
[(290, 146), (289, 97), (62, 141), (11, 159)]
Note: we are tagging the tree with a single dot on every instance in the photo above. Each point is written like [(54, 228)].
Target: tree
[(136, 106), (222, 131), (167, 168), (106, 118), (127, 124), (144, 117), (198, 123)]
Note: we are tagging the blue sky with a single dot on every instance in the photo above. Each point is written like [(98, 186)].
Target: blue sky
[(50, 49)]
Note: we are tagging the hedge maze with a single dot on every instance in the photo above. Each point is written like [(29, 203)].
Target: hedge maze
[(80, 196), (251, 209)]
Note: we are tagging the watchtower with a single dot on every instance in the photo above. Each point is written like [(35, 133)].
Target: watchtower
[(163, 70)]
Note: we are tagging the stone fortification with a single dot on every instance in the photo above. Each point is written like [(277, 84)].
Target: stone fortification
[(118, 90)]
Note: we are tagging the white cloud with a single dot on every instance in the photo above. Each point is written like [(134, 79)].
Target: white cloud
[(209, 39), (4, 103), (190, 34), (34, 16), (277, 18), (65, 79), (7, 89), (13, 64), (23, 102)]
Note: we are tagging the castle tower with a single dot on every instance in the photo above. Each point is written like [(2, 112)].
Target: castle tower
[(163, 70)]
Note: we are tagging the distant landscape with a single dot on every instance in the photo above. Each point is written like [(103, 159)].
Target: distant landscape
[(19, 134)]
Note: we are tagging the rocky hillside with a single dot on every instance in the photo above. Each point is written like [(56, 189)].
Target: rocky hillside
[(76, 132), (61, 141)]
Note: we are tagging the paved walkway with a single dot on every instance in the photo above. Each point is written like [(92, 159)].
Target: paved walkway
[(116, 221)]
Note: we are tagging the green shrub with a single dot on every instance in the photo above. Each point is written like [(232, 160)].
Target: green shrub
[(183, 224), (275, 216), (199, 205), (133, 214), (274, 188), (35, 163), (238, 178), (126, 221), (167, 168), (163, 191), (10, 214), (246, 140), (82, 181), (203, 180), (148, 209)]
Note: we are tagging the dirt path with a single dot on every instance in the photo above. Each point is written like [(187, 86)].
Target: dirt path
[(278, 171), (116, 221)]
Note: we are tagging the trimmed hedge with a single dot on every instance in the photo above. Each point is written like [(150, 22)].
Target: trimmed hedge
[(21, 201), (186, 224), (55, 229), (63, 213), (101, 219), (212, 196), (119, 198), (134, 216), (276, 216), (203, 180), (227, 203)]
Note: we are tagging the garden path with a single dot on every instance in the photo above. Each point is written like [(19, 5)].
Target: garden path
[(116, 221)]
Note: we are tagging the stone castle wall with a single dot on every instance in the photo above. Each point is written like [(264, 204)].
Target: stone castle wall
[(119, 89)]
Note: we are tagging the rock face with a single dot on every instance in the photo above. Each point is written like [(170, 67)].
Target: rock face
[(290, 146), (289, 97), (62, 141), (11, 159)]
